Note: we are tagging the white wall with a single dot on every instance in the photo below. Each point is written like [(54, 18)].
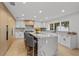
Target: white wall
[(74, 24)]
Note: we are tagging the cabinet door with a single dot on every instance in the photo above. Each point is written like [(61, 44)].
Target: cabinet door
[(73, 42), (63, 40), (41, 45), (68, 41), (59, 38), (51, 46), (47, 46)]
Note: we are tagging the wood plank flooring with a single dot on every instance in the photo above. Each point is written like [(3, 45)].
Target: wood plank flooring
[(18, 49), (64, 51)]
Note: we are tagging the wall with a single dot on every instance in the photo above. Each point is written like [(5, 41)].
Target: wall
[(5, 19), (74, 22)]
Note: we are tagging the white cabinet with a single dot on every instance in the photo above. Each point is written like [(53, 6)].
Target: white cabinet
[(47, 46), (69, 41), (19, 34), (47, 43)]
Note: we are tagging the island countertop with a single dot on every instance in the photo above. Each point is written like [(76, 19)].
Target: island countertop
[(43, 34)]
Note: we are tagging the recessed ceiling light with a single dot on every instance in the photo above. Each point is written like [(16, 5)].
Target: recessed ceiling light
[(40, 11), (62, 10), (22, 14)]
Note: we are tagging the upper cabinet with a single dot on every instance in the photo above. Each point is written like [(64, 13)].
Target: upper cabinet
[(60, 26)]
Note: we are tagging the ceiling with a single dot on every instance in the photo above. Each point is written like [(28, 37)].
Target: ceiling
[(41, 11)]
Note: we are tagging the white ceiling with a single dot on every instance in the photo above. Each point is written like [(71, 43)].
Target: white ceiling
[(50, 10)]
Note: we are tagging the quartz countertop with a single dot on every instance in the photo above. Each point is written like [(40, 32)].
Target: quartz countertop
[(43, 34)]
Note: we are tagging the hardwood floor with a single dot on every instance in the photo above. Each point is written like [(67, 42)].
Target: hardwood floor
[(18, 49), (64, 51)]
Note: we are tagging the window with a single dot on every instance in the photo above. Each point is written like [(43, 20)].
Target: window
[(56, 25), (51, 27), (65, 26), (65, 23)]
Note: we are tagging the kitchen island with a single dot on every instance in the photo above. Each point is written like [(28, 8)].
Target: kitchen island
[(46, 43)]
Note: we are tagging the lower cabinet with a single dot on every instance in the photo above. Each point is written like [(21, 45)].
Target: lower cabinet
[(69, 41), (47, 46)]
